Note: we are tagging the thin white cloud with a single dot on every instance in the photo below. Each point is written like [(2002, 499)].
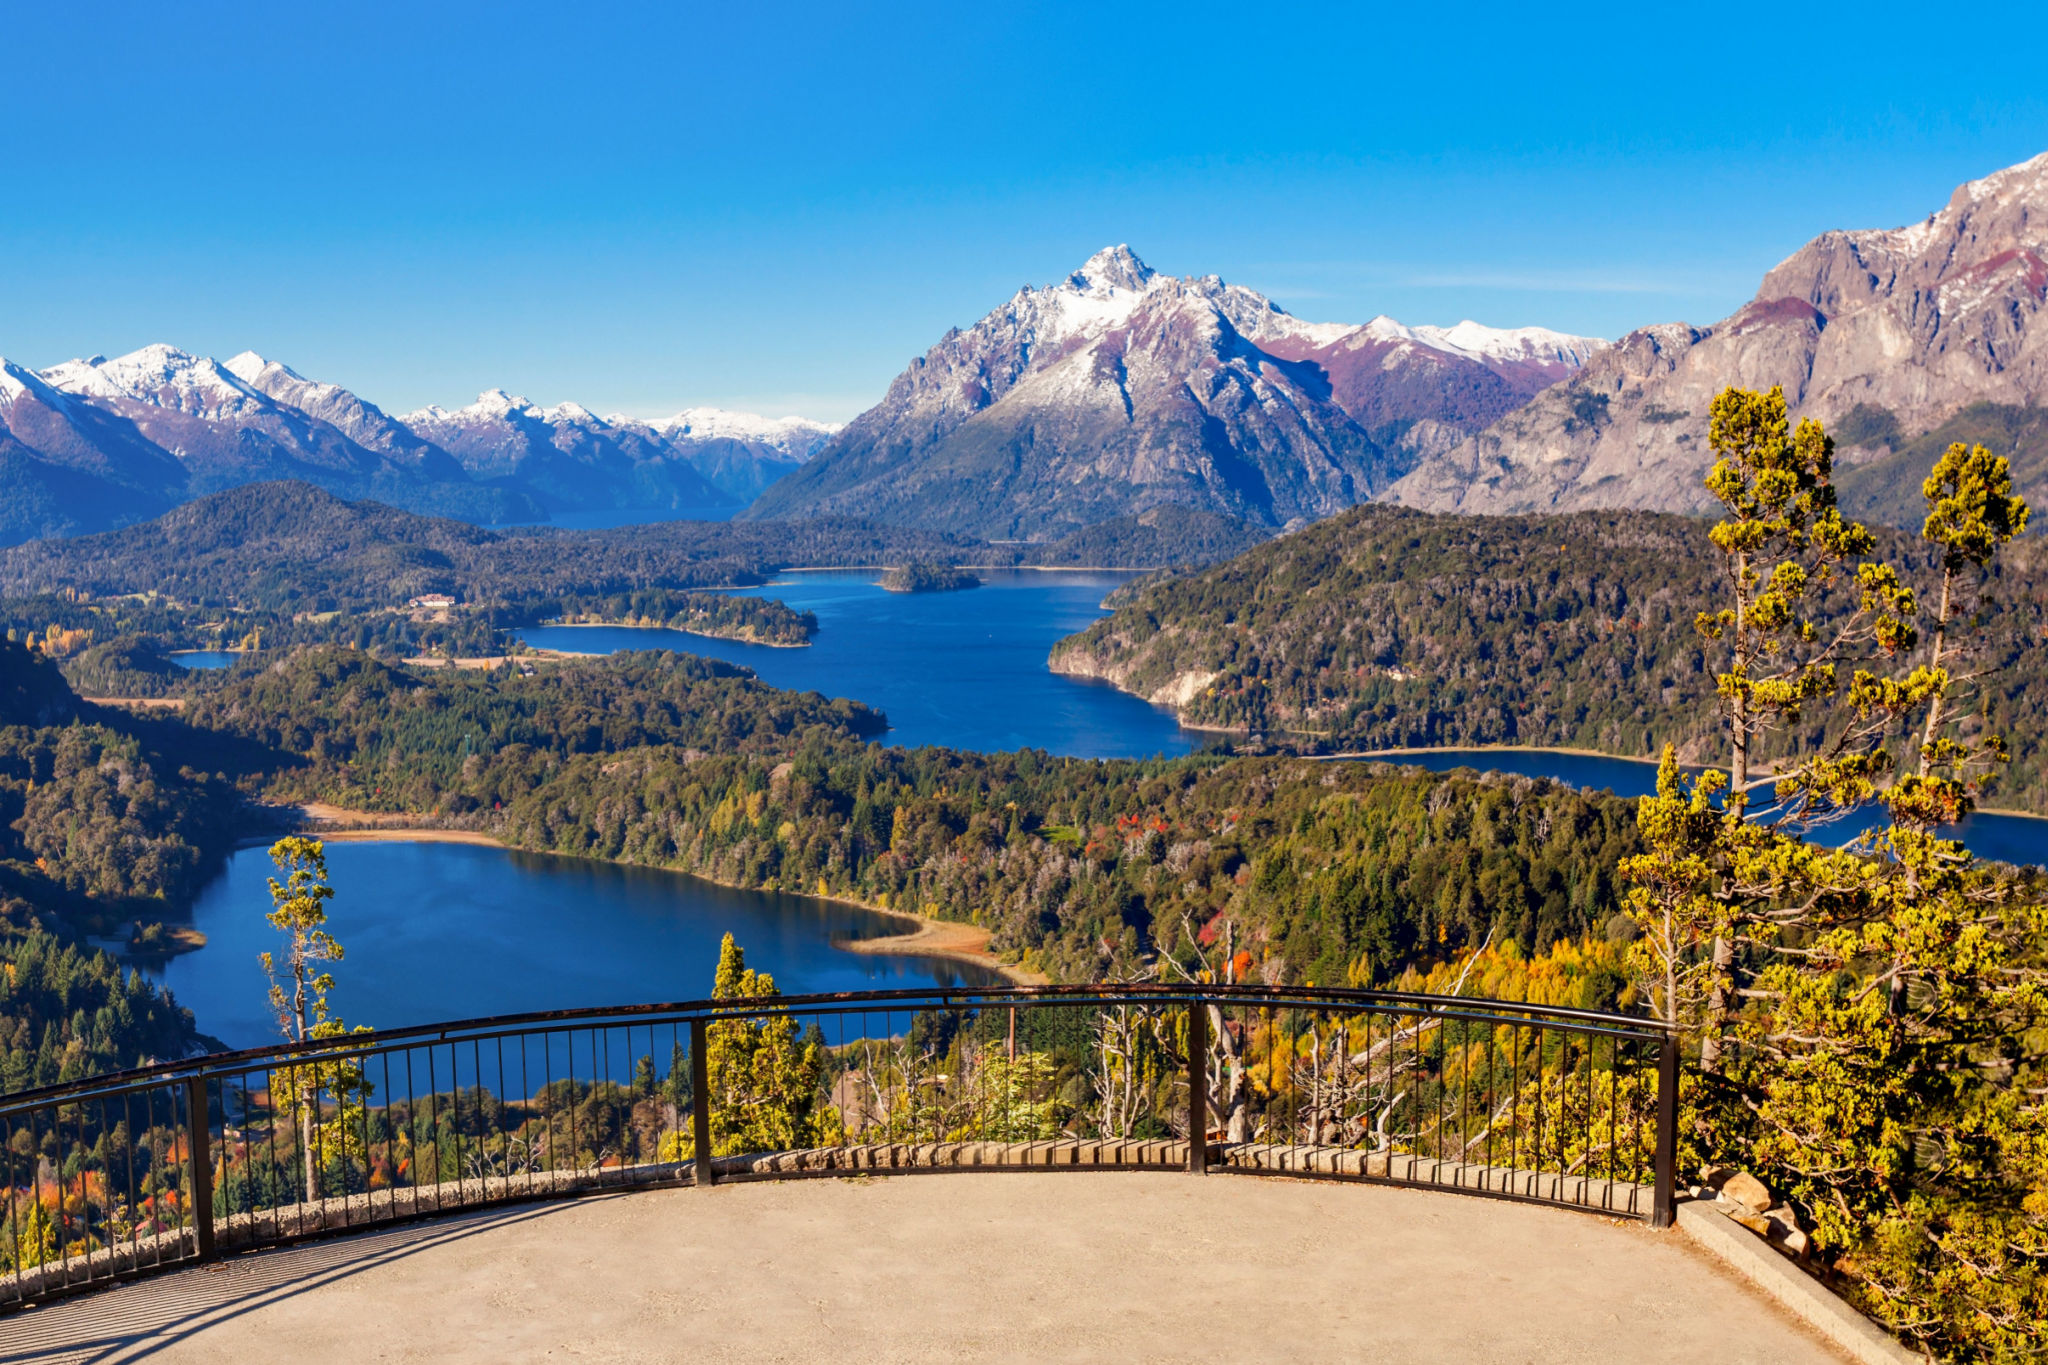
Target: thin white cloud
[(1394, 275)]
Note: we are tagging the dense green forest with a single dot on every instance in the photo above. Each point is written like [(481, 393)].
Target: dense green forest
[(1080, 868), (1386, 628), (922, 577), (754, 619), (359, 732), (68, 624), (100, 825)]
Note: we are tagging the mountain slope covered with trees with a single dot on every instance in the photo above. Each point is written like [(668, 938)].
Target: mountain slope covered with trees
[(1387, 628)]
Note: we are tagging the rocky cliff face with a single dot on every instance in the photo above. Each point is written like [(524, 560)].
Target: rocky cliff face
[(1910, 324), (1119, 389)]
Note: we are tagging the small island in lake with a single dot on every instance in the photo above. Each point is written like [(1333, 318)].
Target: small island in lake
[(929, 578)]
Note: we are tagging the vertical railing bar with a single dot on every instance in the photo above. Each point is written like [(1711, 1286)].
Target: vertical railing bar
[(84, 1204), (1613, 1111), (362, 1066), (248, 1175), (198, 1131), (270, 1105), (104, 1147), (1198, 1087), (671, 1111), (434, 1123), (57, 1218), (1591, 1043), (128, 1153), (14, 1210), (547, 1063), (1492, 1100), (390, 1129), (1636, 1166), (1662, 1206), (700, 1106), (604, 1078), (504, 1114), (525, 1099), (455, 1100)]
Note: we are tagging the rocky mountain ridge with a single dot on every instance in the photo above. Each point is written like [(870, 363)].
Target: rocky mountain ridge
[(1119, 389), (1883, 334)]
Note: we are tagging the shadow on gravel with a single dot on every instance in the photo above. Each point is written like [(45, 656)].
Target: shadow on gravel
[(133, 1321)]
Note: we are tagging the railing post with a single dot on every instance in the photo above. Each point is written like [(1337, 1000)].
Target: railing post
[(1198, 1088), (1663, 1202), (700, 1104), (199, 1147)]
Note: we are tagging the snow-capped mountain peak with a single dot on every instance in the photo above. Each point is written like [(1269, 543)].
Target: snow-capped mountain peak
[(722, 424), (18, 381), (1110, 269), (566, 412), (248, 365), (160, 376), (491, 404)]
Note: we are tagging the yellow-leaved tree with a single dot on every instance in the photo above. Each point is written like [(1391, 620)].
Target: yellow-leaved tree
[(766, 1075), (1867, 1008), (325, 1096)]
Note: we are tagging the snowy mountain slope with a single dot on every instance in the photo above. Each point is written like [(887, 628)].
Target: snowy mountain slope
[(1119, 389), (91, 444), (571, 458)]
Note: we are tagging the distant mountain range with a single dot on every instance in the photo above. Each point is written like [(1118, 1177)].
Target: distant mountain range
[(1933, 331), (94, 444), (1119, 392), (1120, 389)]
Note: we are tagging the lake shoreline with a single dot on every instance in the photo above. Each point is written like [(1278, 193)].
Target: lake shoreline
[(680, 630), (1383, 754), (950, 940)]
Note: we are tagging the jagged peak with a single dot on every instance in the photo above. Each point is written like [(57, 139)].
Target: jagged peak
[(152, 370), (17, 380), (247, 365), (2027, 175), (1112, 268)]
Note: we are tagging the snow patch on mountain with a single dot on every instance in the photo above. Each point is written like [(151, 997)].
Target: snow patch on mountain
[(18, 381), (793, 434), (161, 376)]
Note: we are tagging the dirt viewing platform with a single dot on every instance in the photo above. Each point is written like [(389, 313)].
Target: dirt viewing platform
[(1025, 1267)]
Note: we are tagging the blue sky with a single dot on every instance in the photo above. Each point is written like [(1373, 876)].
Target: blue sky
[(776, 206)]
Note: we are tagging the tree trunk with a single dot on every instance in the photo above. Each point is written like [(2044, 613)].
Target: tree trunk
[(307, 1101)]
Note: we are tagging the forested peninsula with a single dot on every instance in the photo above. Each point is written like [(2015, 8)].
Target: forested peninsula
[(1386, 628)]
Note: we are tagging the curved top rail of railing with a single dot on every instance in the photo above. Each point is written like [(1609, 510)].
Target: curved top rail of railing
[(162, 1165), (1465, 1008)]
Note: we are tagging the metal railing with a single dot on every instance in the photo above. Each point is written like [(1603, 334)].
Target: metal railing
[(165, 1165)]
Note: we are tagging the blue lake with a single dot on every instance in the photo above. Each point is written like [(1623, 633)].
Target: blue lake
[(2009, 838), (202, 658), (447, 931), (457, 931), (963, 669)]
